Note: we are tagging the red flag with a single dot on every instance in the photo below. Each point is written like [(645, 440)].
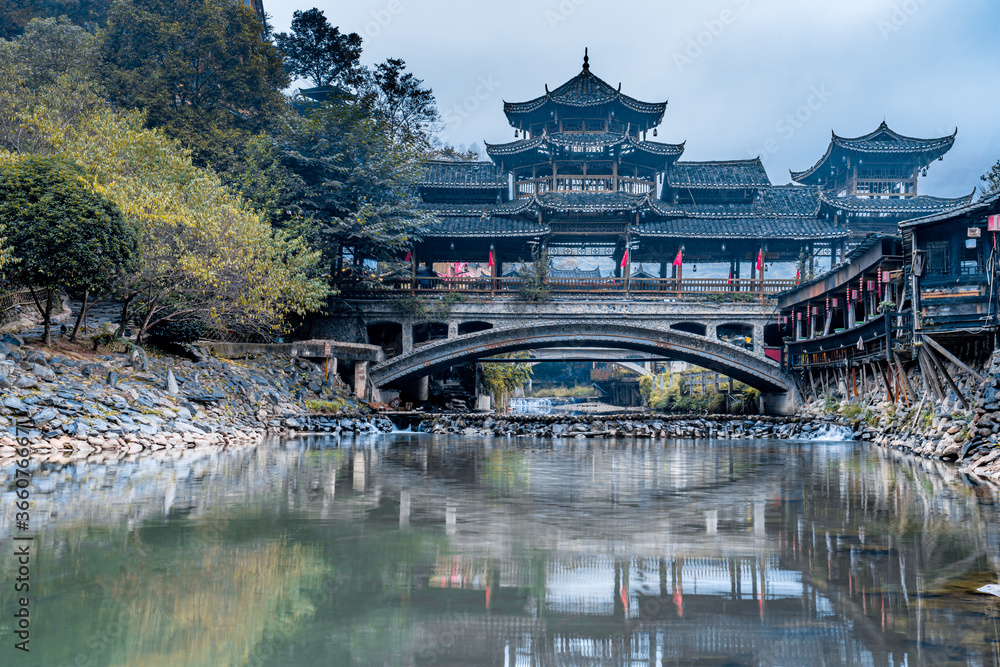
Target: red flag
[(760, 259), (491, 259), (409, 256), (679, 259), (730, 276), (798, 276), (625, 258)]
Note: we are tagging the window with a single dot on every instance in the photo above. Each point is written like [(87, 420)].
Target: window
[(938, 258), (972, 258)]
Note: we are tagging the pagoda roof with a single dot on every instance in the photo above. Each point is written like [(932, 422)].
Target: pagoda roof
[(988, 205), (483, 227), (795, 229), (589, 202), (782, 201), (463, 175), (539, 149), (732, 174), (586, 91), (453, 209), (894, 206), (883, 143)]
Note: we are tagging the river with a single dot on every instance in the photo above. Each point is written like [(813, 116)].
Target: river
[(420, 550)]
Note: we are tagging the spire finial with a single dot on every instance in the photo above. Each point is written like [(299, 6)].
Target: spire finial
[(586, 59)]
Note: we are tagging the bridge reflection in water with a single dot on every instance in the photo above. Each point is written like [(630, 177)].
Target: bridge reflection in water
[(418, 550)]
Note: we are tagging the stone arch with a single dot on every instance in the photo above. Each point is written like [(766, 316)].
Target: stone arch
[(736, 333), (691, 328), (473, 326), (735, 362)]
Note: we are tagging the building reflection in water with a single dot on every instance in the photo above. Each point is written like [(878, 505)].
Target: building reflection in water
[(438, 551)]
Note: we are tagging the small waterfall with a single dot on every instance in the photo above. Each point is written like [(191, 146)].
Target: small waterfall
[(830, 433), (531, 406)]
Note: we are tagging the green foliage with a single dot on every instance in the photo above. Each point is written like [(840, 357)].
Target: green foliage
[(503, 379), (830, 404), (63, 231), (403, 107), (199, 69), (319, 52), (739, 297), (327, 407), (535, 287), (852, 412), (48, 49), (108, 338), (413, 308), (991, 180), (16, 15), (347, 180), (576, 391), (205, 254)]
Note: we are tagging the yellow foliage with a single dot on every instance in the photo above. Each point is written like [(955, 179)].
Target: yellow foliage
[(204, 249)]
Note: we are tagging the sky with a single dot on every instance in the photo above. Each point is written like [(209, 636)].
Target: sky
[(742, 77)]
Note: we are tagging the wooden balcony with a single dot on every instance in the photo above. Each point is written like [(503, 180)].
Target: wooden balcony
[(577, 287)]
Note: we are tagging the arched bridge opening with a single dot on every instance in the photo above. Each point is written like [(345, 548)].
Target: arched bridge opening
[(738, 363)]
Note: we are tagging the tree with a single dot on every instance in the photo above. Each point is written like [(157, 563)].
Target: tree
[(205, 253), (199, 69), (16, 14), (400, 102), (48, 49), (345, 179), (63, 231), (319, 52), (992, 180), (504, 378)]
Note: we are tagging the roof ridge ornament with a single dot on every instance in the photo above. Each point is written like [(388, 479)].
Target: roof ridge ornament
[(586, 59)]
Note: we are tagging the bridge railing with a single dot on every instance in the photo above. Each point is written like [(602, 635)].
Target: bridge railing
[(649, 287)]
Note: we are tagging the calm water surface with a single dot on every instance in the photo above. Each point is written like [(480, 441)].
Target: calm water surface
[(417, 550)]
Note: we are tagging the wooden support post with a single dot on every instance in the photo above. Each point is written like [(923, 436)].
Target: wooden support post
[(886, 375), (947, 376), (929, 375), (905, 380), (812, 382), (951, 357), (854, 382)]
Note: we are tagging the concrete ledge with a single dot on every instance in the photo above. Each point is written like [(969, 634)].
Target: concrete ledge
[(309, 349), (323, 349)]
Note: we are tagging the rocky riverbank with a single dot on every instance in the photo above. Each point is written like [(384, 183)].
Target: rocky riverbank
[(943, 430), (632, 427), (72, 402)]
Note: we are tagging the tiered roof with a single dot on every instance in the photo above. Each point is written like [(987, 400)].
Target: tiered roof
[(781, 201), (472, 181), (776, 212), (589, 94), (883, 146), (539, 149), (894, 207), (727, 175), (987, 205), (793, 229)]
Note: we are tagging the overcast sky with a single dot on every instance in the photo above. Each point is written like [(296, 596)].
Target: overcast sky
[(742, 77)]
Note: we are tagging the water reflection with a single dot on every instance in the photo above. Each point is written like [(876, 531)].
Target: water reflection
[(420, 550)]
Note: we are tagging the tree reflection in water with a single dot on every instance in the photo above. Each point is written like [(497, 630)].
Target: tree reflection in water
[(418, 550)]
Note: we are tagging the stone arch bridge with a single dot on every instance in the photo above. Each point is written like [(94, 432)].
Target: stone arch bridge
[(730, 338)]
